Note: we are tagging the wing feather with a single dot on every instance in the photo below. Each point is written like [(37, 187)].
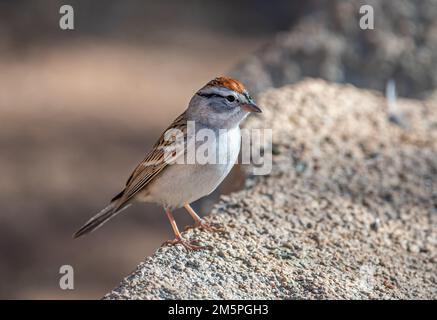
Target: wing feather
[(155, 161)]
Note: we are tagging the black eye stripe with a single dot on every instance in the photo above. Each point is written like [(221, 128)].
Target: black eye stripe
[(248, 97), (210, 95), (230, 98)]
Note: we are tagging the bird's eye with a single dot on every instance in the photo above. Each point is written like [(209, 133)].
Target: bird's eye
[(230, 98)]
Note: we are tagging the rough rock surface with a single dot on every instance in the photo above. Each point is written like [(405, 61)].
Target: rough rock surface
[(349, 210), (328, 43)]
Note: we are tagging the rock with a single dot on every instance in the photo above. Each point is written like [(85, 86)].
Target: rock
[(337, 131), (328, 43)]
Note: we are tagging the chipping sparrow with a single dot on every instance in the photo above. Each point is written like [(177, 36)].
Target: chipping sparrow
[(219, 106)]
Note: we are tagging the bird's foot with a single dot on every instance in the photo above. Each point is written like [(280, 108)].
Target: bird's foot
[(203, 225), (186, 244)]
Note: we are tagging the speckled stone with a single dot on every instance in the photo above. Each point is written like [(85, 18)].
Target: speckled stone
[(349, 211)]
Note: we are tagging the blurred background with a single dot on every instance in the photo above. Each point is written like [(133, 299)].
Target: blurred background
[(79, 109)]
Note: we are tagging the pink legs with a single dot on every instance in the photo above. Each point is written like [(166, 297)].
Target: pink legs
[(198, 222), (178, 237)]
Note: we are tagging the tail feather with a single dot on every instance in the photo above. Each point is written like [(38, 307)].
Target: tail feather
[(99, 219)]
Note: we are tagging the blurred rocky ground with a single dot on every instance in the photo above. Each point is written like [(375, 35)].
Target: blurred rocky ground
[(349, 211), (328, 43)]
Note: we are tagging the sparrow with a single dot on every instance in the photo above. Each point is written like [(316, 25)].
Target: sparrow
[(167, 178)]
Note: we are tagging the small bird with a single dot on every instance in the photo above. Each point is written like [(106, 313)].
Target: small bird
[(219, 106)]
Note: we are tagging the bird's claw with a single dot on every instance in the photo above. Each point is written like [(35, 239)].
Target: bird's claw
[(187, 245)]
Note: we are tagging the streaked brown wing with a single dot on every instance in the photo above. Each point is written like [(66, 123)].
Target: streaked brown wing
[(153, 164)]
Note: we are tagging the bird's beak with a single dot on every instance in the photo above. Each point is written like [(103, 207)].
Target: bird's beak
[(250, 107)]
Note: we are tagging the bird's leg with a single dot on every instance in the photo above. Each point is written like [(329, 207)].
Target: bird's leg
[(199, 222), (179, 240)]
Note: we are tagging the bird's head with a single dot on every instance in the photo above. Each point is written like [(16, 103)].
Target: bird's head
[(221, 103)]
